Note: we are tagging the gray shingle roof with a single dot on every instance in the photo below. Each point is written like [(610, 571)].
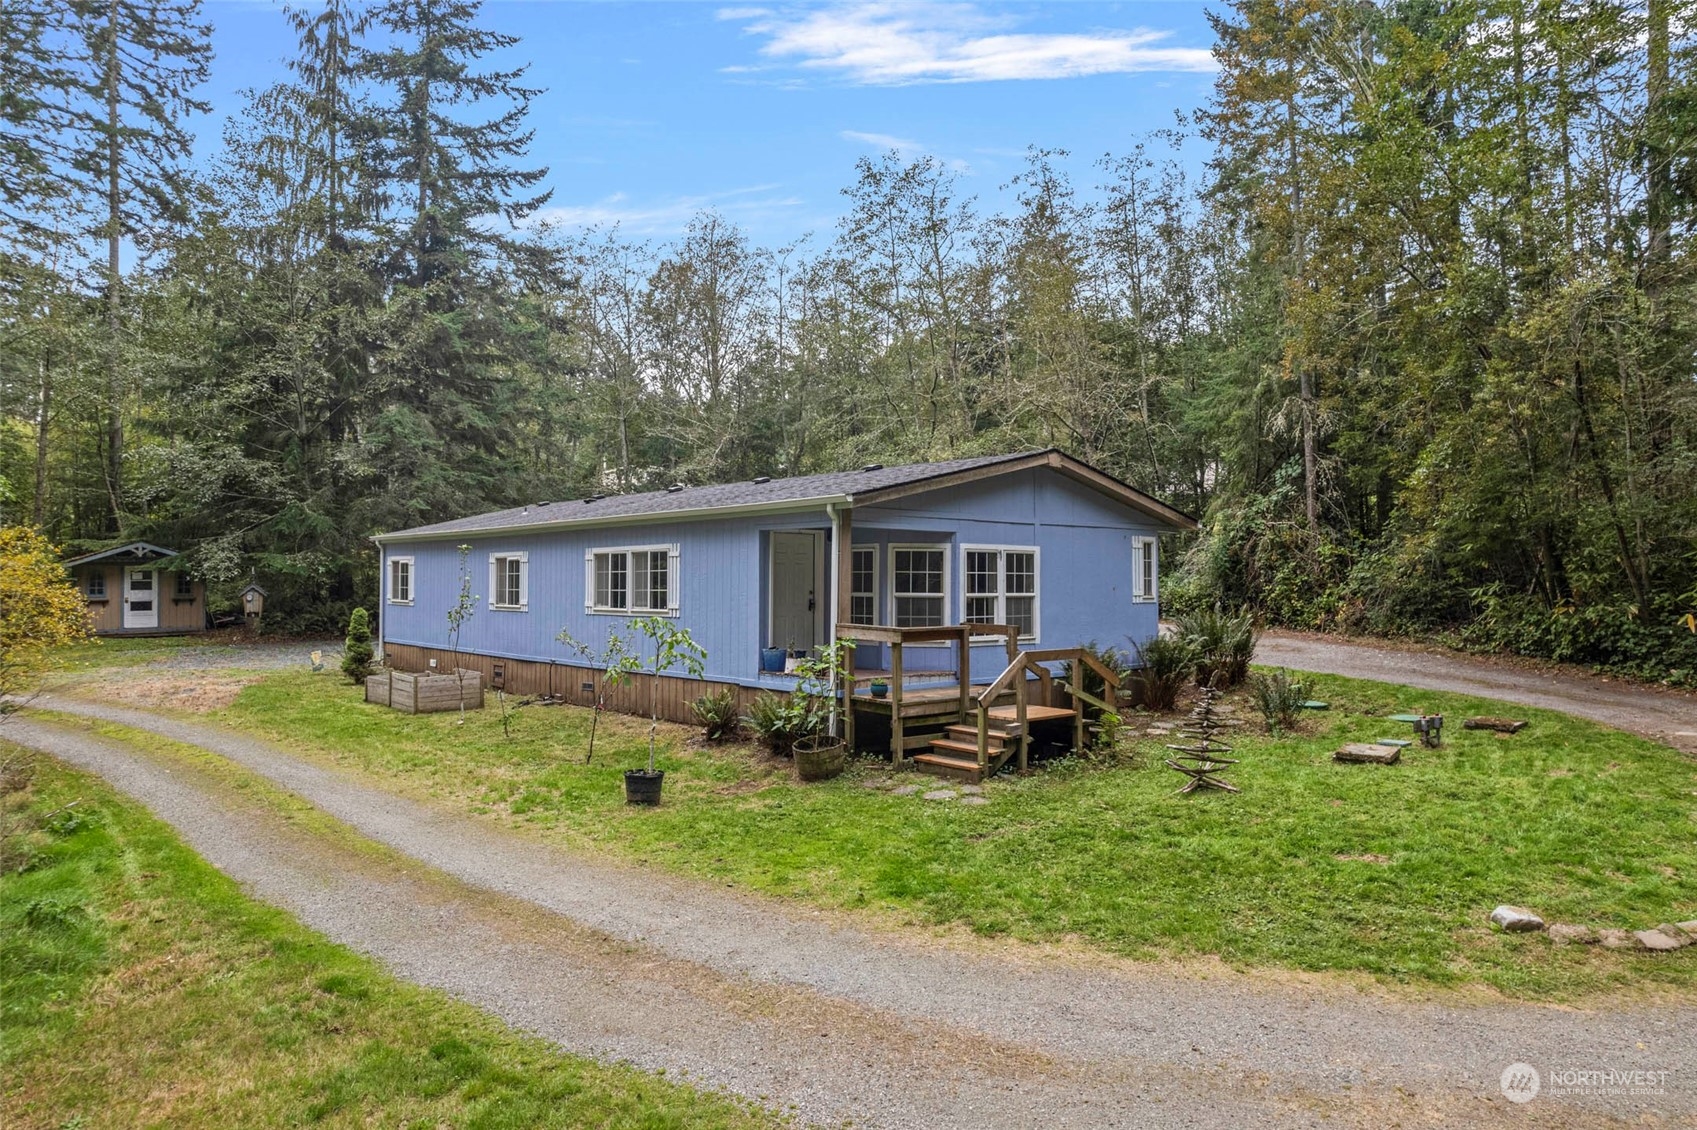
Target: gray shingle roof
[(774, 493)]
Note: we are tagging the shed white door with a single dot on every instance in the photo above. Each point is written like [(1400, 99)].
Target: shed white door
[(141, 598), (795, 601)]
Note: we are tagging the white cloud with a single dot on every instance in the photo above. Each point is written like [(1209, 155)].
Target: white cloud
[(905, 147), (896, 44), (666, 216)]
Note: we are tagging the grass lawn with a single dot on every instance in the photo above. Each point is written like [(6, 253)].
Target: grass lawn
[(1388, 871), (138, 986)]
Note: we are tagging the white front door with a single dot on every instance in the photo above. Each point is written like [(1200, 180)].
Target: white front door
[(795, 600), (141, 598)]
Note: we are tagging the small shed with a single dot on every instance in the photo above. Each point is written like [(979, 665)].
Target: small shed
[(139, 589)]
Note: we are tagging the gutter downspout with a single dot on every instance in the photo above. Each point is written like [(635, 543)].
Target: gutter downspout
[(831, 608), (382, 579)]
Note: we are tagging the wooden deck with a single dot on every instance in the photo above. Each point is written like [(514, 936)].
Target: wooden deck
[(965, 729)]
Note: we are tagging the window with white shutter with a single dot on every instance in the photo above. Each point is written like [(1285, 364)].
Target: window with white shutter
[(635, 580)]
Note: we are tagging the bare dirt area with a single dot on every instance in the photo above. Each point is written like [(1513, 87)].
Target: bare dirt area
[(839, 1022), (196, 694), (1658, 713)]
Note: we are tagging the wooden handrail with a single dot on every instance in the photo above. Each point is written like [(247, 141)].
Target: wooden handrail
[(1004, 680)]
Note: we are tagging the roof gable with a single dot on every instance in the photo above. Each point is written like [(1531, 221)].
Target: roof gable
[(871, 484), (137, 552)]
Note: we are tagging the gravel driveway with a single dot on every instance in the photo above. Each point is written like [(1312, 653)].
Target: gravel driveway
[(1663, 715), (775, 1001)]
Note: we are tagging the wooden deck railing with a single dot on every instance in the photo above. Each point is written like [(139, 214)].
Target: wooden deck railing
[(1017, 676), (1023, 668), (961, 638)]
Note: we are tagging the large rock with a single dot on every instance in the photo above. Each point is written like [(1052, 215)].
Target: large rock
[(1683, 932), (1614, 939), (1656, 942), (1516, 919)]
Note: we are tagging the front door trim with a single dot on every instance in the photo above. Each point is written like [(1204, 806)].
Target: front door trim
[(819, 620)]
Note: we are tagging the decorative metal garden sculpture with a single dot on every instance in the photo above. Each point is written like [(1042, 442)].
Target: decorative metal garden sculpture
[(1205, 755)]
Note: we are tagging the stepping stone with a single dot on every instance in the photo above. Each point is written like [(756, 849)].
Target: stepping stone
[(904, 790), (1501, 725), (878, 783), (1360, 751), (1564, 934), (940, 794), (1314, 704), (971, 790), (1678, 933), (1516, 919), (1655, 941), (1613, 939), (975, 800), (1395, 743)]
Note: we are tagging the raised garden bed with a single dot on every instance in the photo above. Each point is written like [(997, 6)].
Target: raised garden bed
[(425, 693)]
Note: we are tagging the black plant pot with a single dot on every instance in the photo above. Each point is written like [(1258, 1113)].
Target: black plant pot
[(643, 787)]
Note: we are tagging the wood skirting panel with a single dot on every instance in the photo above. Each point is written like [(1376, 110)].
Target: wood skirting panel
[(529, 677)]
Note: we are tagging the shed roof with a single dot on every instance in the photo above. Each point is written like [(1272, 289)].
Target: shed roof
[(872, 484), (135, 552)]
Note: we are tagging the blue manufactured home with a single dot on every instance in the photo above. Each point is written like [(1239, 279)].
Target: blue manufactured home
[(946, 572)]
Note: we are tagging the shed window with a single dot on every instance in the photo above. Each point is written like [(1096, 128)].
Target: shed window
[(1145, 569), (509, 581), (636, 579), (1001, 587), (400, 580), (919, 585), (185, 585), (863, 591), (97, 585)]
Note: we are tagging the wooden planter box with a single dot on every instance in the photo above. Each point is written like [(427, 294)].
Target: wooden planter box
[(423, 693)]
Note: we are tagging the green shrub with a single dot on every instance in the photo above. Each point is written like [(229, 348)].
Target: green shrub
[(717, 713), (1164, 664), (1278, 699), (357, 651), (778, 722), (1224, 644)]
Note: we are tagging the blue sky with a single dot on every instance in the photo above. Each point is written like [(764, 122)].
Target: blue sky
[(656, 110)]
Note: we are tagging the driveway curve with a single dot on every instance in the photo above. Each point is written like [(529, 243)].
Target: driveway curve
[(1663, 715), (781, 1003)]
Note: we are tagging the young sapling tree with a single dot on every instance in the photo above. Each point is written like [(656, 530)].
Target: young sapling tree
[(464, 605), (674, 649), (617, 662)]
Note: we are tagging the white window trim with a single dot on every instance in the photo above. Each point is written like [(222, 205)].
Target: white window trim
[(674, 580), (942, 547), (389, 580), (871, 550), (1141, 546), (1002, 587), (523, 558)]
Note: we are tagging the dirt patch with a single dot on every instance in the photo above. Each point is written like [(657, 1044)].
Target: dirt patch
[(1362, 857), (194, 693)]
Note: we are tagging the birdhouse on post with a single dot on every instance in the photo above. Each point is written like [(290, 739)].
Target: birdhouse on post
[(253, 605)]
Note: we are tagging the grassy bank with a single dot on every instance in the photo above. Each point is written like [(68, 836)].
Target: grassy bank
[(1315, 866), (138, 986)]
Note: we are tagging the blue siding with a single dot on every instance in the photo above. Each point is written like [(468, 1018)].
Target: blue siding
[(1084, 539)]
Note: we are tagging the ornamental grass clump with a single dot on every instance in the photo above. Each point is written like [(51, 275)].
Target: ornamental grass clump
[(1224, 643), (1278, 698), (1164, 666), (716, 711)]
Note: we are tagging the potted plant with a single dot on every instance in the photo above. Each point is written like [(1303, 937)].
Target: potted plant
[(674, 649), (820, 753), (880, 688)]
